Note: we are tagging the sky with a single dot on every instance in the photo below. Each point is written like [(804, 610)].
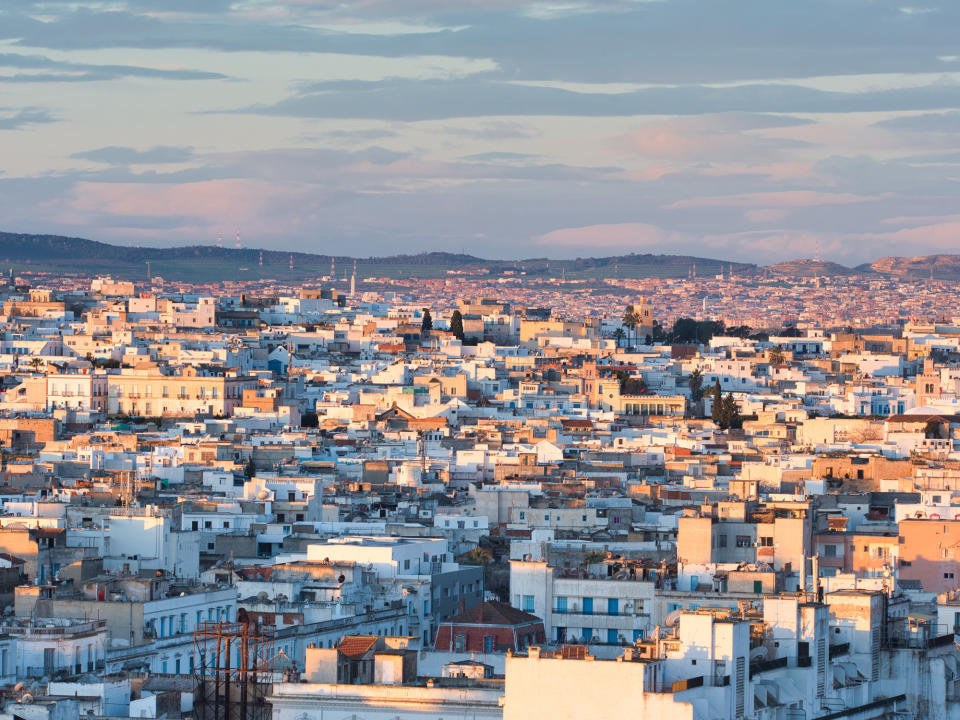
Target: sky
[(749, 130)]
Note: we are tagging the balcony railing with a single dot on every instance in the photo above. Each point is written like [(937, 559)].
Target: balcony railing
[(602, 613)]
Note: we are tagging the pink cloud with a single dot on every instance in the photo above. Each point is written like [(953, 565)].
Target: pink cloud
[(735, 137), (777, 171), (942, 236), (765, 215), (787, 198), (613, 235), (210, 199)]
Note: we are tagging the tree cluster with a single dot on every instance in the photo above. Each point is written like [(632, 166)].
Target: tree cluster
[(630, 385), (726, 412)]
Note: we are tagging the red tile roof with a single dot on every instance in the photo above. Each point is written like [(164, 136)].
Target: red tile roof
[(493, 613), (355, 646)]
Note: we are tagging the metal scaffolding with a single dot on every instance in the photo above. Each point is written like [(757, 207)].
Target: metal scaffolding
[(233, 670)]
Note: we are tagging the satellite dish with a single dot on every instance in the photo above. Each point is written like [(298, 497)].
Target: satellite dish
[(672, 618)]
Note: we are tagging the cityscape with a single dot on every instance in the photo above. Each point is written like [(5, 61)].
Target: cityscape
[(495, 497), (479, 360)]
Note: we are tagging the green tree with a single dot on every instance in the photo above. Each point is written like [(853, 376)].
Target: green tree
[(932, 430), (456, 324), (716, 414), (250, 469), (775, 355), (658, 334), (618, 335), (426, 325), (696, 386), (731, 414)]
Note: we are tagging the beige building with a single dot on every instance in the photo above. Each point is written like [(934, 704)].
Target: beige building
[(77, 391), (146, 390)]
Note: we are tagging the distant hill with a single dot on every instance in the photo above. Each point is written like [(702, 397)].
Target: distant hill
[(940, 267), (811, 268), (54, 253), (199, 263)]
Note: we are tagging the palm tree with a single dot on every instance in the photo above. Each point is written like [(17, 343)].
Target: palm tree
[(618, 335), (35, 363), (630, 318)]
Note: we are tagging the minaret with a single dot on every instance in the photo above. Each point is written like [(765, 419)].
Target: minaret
[(333, 267), (261, 258), (220, 240), (238, 245), (291, 261), (353, 279)]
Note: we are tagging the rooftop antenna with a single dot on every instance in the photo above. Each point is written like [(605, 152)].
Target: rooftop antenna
[(238, 245)]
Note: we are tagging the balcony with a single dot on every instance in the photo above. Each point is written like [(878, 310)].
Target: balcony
[(604, 621), (620, 613)]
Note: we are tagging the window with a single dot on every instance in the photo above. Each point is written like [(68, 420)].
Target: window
[(528, 603), (561, 604), (766, 542), (613, 606), (743, 541), (583, 518), (460, 643), (830, 551), (948, 576), (612, 636), (488, 643), (587, 634), (406, 564), (588, 606), (721, 541), (905, 563)]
